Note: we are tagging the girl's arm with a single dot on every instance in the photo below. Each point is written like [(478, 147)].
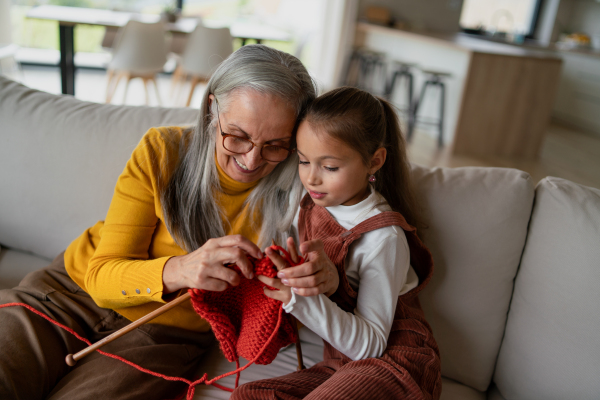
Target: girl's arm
[(364, 334)]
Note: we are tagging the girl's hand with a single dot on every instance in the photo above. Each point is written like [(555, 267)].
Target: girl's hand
[(204, 268), (283, 294), (317, 275)]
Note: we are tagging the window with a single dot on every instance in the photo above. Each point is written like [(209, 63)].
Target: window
[(492, 16)]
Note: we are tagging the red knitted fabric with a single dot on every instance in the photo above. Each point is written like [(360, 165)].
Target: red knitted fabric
[(243, 317)]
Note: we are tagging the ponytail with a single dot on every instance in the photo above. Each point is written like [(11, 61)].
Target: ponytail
[(393, 178)]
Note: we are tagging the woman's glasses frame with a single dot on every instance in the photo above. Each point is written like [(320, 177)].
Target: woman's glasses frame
[(225, 135)]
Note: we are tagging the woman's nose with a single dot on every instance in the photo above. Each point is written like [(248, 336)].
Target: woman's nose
[(253, 158)]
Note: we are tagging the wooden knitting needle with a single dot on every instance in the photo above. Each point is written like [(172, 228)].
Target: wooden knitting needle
[(72, 358), (294, 256)]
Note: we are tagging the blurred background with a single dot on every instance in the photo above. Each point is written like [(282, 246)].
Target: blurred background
[(505, 83)]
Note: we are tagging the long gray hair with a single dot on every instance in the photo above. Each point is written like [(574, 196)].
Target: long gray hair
[(189, 208)]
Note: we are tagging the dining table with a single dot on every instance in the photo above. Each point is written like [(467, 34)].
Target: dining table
[(69, 17)]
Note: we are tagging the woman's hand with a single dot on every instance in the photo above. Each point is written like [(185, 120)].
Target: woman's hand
[(317, 275), (204, 268)]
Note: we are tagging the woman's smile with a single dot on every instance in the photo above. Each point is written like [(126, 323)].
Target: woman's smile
[(243, 168)]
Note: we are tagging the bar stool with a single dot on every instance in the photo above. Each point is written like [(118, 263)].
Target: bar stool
[(402, 70), (364, 67), (433, 78)]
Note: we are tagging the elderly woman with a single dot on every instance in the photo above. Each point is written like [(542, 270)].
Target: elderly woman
[(188, 202)]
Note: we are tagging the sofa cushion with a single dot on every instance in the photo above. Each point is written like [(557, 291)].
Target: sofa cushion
[(493, 393), (476, 227), (551, 349), (452, 390), (64, 158), (14, 265)]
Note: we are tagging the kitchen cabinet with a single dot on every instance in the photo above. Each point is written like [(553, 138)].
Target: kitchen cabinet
[(578, 100)]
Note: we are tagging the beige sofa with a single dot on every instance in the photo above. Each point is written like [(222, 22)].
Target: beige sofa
[(514, 302)]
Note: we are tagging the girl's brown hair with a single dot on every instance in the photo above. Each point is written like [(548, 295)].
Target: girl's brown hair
[(365, 123)]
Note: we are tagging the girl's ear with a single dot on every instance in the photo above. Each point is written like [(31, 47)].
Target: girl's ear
[(377, 160)]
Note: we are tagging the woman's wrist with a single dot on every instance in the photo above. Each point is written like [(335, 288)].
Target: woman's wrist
[(172, 275)]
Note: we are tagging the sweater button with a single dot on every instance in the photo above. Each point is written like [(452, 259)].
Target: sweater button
[(124, 292), (148, 290), (137, 291)]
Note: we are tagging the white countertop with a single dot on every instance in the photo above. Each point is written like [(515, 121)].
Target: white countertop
[(478, 44)]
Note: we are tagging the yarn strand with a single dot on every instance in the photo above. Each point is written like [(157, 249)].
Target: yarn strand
[(191, 384)]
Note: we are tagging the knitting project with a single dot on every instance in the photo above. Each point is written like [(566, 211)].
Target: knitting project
[(246, 322), (243, 318)]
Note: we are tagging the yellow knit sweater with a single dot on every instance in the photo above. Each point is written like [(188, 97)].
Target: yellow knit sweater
[(120, 261)]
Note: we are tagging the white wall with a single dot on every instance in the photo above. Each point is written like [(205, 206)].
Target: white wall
[(334, 44), (585, 17), (326, 26), (578, 16), (545, 30)]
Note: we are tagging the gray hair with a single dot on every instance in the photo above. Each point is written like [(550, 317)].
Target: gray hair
[(188, 205)]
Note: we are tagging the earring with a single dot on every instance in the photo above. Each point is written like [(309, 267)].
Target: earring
[(372, 178)]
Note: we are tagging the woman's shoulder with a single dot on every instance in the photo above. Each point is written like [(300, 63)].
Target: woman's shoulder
[(165, 139), (161, 147)]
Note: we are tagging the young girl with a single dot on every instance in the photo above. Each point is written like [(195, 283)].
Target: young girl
[(353, 165)]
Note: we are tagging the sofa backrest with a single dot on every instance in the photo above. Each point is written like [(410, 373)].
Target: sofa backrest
[(476, 228), (551, 349), (477, 217), (61, 158)]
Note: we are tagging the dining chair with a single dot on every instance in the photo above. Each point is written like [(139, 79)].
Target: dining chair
[(204, 50), (108, 40), (140, 51)]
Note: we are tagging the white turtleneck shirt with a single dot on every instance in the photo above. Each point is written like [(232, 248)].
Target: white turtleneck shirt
[(378, 268)]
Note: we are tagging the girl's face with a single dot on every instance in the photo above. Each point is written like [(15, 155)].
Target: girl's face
[(331, 171), (260, 118)]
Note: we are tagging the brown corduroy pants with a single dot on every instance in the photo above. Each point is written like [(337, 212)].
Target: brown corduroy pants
[(33, 351), (335, 378)]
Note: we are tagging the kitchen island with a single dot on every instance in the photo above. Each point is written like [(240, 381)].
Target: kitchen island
[(499, 97)]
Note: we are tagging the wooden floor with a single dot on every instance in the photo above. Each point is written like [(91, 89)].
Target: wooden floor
[(566, 153)]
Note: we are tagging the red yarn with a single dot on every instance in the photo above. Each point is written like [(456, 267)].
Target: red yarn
[(246, 322), (243, 318)]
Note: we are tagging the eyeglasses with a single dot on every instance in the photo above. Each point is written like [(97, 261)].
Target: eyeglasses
[(239, 145)]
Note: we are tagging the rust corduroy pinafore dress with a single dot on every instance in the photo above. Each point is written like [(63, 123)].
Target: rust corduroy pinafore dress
[(410, 366)]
